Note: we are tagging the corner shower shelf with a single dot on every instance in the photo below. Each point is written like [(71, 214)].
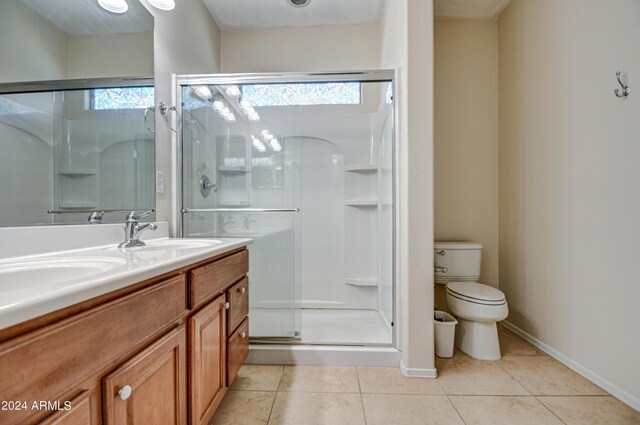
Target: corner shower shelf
[(361, 203), (361, 168), (361, 281), (77, 173)]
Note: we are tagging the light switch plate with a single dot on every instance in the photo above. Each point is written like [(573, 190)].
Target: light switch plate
[(160, 177)]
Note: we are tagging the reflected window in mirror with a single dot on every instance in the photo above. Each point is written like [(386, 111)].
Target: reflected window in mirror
[(62, 160)]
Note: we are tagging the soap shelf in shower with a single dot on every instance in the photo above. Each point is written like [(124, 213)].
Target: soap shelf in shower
[(361, 168), (239, 203), (361, 281), (361, 202), (234, 170)]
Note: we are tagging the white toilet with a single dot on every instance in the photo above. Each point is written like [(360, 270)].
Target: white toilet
[(476, 306)]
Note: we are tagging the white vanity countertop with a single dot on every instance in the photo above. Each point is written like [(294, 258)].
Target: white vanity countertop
[(31, 286)]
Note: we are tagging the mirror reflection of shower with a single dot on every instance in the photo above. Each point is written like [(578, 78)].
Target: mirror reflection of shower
[(305, 168)]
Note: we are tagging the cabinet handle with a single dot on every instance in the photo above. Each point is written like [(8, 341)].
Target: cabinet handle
[(227, 305), (124, 392), (242, 290), (243, 334)]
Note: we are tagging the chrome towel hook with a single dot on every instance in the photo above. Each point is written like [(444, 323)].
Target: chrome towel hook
[(625, 89), (164, 109)]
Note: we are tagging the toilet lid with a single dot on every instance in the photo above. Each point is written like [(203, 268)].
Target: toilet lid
[(476, 291)]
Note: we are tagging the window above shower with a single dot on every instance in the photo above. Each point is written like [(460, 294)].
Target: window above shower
[(303, 94)]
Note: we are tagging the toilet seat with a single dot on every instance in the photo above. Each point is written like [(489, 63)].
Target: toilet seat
[(476, 293)]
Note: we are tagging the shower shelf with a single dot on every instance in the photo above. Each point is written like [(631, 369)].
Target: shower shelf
[(361, 168), (361, 281), (234, 170), (361, 203), (77, 173), (235, 203)]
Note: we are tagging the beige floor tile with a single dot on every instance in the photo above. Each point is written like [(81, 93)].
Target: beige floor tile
[(463, 375), (258, 378), (503, 410), (542, 375), (321, 379), (389, 380), (317, 409), (394, 409), (244, 408), (513, 345), (591, 410)]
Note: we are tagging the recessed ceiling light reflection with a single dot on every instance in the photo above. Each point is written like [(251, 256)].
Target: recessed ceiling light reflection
[(114, 6)]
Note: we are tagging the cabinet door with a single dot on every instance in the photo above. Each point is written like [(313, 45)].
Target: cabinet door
[(79, 412), (207, 360), (150, 388)]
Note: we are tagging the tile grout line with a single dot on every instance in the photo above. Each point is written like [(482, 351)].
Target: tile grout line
[(274, 397), (364, 413), (552, 412), (450, 402), (512, 377)]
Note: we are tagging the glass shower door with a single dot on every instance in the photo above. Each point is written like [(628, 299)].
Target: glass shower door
[(239, 182)]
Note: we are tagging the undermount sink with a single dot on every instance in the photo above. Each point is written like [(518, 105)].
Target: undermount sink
[(53, 270)]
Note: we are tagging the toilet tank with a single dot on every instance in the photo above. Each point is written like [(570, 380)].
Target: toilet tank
[(462, 260)]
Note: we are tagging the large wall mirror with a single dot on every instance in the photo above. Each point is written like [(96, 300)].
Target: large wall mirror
[(76, 134)]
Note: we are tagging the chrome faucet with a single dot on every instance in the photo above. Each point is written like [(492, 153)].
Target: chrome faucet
[(133, 228), (223, 221), (246, 222), (96, 217)]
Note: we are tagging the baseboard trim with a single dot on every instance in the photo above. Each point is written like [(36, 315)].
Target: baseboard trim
[(418, 373), (612, 389)]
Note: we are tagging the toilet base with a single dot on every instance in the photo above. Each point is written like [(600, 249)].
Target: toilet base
[(478, 339)]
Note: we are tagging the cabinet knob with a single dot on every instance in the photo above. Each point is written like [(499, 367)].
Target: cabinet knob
[(242, 290), (243, 334), (227, 305), (124, 392)]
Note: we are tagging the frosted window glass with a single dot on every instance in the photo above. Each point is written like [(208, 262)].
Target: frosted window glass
[(122, 98), (302, 94)]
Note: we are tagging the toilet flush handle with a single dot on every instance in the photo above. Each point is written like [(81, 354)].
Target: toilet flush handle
[(441, 252), (440, 269)]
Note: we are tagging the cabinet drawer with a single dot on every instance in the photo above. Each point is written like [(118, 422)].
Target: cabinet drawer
[(78, 414), (57, 357), (238, 297), (212, 279), (237, 350)]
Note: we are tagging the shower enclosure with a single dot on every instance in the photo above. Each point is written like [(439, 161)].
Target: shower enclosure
[(303, 164)]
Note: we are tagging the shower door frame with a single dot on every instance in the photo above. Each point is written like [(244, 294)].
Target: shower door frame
[(364, 76)]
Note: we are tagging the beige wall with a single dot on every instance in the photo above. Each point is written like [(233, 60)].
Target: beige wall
[(301, 49), (32, 48), (570, 182), (125, 55), (186, 41), (407, 45), (466, 137)]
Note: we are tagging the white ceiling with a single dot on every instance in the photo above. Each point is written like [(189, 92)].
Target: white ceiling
[(468, 9), (85, 17), (230, 14)]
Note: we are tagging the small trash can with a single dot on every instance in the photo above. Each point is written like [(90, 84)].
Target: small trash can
[(445, 329)]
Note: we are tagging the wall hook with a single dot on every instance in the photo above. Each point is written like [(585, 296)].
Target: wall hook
[(625, 89)]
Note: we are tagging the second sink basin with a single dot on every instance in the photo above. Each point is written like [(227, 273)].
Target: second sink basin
[(49, 271)]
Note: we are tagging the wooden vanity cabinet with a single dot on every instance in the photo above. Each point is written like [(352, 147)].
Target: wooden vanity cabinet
[(163, 351), (149, 388), (207, 339)]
